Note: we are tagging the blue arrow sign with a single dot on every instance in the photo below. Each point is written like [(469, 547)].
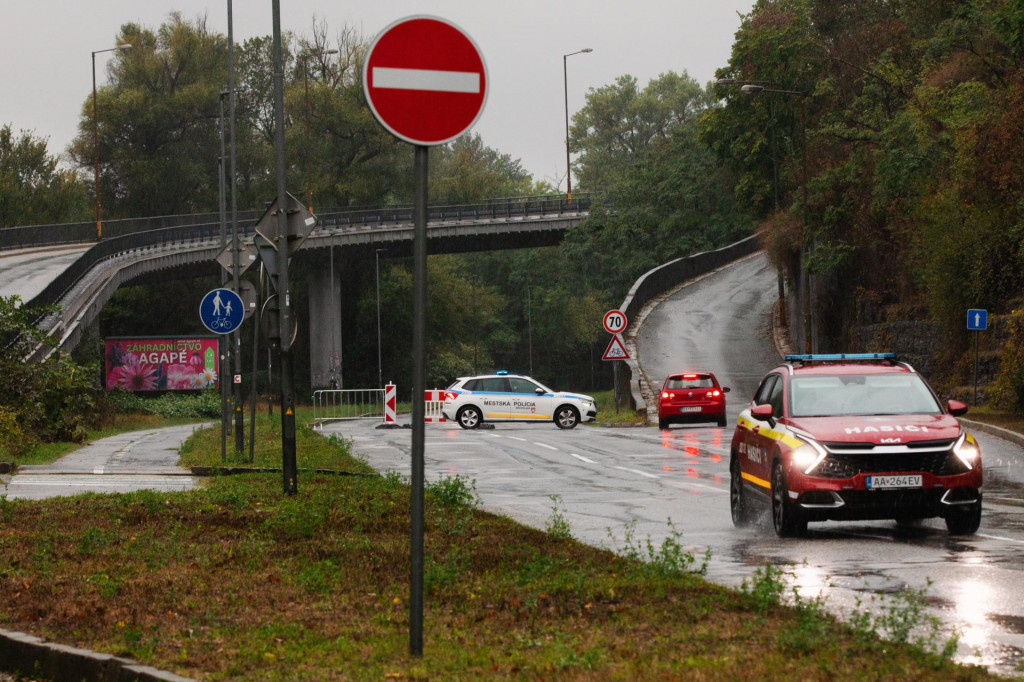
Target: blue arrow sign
[(222, 311), (977, 319)]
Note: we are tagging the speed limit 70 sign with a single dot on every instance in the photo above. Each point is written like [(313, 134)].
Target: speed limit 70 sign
[(614, 321)]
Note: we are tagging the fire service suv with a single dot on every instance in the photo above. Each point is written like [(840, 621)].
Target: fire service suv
[(852, 437)]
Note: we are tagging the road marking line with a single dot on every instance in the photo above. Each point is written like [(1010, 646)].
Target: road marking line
[(997, 537), (582, 458), (687, 484), (549, 447), (638, 472), (515, 438)]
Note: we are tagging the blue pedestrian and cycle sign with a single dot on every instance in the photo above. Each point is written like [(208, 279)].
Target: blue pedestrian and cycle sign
[(222, 311), (977, 319)]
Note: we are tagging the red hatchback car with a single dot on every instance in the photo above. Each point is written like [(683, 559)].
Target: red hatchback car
[(691, 397), (852, 437)]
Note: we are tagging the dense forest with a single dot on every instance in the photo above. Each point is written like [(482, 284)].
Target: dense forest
[(907, 118), (874, 144)]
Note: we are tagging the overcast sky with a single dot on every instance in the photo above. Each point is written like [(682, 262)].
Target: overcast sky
[(46, 48)]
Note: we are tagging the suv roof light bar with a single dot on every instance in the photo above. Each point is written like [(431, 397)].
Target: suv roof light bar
[(841, 357)]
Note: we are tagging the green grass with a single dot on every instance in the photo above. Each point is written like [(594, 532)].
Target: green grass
[(236, 581), (606, 412)]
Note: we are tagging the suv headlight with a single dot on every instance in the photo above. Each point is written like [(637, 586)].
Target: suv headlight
[(967, 450), (808, 456)]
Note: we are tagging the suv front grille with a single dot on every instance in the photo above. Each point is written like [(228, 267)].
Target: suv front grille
[(848, 459)]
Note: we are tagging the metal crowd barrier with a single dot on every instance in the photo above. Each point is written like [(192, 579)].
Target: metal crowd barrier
[(335, 405)]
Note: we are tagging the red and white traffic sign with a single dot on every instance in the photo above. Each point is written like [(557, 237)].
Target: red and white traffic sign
[(425, 80), (616, 350), (614, 321)]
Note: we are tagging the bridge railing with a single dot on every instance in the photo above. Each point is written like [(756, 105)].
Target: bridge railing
[(85, 232), (149, 237)]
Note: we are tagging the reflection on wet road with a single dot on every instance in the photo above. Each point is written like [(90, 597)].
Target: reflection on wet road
[(603, 479)]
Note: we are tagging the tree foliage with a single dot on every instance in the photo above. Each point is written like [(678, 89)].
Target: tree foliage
[(911, 121), (55, 399), (33, 190)]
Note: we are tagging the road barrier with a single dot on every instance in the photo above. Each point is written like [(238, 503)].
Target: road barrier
[(336, 405), (434, 403)]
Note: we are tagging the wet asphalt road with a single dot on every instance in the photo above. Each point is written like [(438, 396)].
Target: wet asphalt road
[(26, 272), (605, 481), (611, 484)]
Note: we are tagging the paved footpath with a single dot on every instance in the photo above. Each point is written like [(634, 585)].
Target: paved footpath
[(136, 460)]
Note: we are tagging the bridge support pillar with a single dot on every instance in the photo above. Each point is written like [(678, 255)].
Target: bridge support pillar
[(325, 350)]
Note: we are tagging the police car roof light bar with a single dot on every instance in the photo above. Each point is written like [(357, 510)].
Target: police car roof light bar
[(841, 357)]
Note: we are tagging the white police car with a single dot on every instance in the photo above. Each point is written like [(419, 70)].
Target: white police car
[(510, 397)]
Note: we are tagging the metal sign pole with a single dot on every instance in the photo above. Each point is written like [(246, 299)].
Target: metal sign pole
[(419, 304), (288, 463)]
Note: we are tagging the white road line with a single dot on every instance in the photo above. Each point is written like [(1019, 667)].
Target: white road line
[(426, 79), (687, 484), (582, 458), (638, 472), (523, 440), (549, 447), (1000, 538)]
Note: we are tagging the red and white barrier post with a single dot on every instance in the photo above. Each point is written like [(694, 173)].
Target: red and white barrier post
[(390, 393)]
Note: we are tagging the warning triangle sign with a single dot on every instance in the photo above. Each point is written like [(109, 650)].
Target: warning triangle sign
[(616, 350)]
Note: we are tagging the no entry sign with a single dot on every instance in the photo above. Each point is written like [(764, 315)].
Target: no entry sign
[(425, 80)]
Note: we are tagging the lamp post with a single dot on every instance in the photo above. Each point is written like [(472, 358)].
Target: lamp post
[(96, 137), (565, 79), (380, 366), (755, 89), (309, 116)]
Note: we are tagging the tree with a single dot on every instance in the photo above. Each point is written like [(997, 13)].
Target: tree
[(54, 399), (33, 190), (620, 123)]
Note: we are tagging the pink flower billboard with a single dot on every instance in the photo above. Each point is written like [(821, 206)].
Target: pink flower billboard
[(162, 363)]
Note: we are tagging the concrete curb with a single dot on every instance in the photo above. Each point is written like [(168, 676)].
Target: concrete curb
[(35, 658), (997, 431)]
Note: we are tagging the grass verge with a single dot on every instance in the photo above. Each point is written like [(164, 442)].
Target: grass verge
[(237, 581)]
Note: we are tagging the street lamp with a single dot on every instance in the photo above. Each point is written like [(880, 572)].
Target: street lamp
[(309, 114), (565, 78), (380, 370), (96, 137), (755, 88)]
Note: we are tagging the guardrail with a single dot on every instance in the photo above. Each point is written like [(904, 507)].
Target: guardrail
[(664, 277), (341, 404)]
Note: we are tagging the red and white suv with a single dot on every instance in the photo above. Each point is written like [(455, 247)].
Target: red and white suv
[(850, 437)]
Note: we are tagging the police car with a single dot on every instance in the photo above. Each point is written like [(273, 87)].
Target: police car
[(851, 437), (470, 401)]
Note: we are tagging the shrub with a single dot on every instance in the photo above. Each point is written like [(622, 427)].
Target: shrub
[(1008, 389)]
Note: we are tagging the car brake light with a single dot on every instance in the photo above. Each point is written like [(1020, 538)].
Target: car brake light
[(449, 395), (689, 376), (714, 394), (666, 394)]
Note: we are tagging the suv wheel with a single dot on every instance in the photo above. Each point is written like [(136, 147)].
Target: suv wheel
[(787, 518), (737, 502), (566, 417), (964, 520), (469, 417)]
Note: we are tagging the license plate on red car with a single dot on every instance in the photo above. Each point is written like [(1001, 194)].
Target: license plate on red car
[(690, 408), (894, 481)]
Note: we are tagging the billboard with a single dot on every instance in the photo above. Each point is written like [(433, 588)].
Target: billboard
[(162, 363)]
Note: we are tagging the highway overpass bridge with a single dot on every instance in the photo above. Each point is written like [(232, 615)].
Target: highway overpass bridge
[(136, 250)]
